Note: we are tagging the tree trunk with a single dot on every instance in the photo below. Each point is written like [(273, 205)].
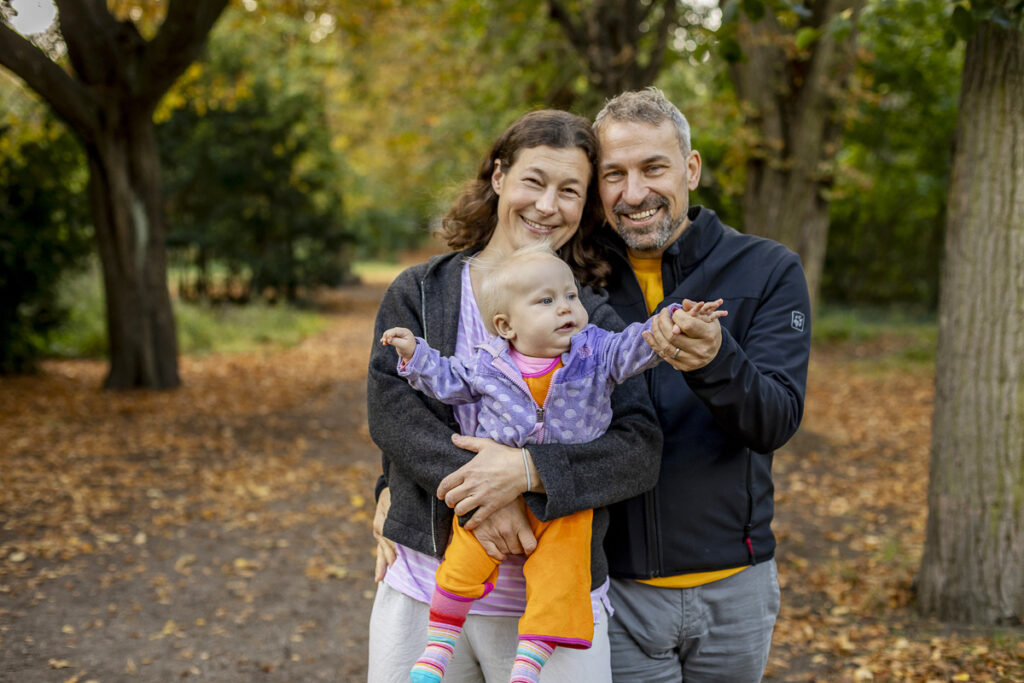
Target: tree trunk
[(973, 564), (622, 42), (124, 189), (107, 98), (793, 97)]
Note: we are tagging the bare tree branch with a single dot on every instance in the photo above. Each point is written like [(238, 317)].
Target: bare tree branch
[(572, 30), (88, 30), (69, 99), (179, 43), (669, 20)]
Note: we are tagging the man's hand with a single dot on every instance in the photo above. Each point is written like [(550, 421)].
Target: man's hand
[(686, 341), (491, 480), (385, 548), (402, 339), (506, 532)]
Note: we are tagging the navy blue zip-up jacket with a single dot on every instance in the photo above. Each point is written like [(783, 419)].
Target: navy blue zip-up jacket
[(712, 507)]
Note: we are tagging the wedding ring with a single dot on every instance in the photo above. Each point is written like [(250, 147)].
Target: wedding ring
[(676, 353)]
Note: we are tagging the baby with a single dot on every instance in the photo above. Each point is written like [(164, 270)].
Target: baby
[(548, 376)]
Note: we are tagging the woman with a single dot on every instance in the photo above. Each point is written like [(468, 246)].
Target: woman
[(534, 184)]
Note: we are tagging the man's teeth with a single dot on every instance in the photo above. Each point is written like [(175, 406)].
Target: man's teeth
[(642, 215)]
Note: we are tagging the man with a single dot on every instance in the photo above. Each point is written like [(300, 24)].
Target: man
[(694, 586)]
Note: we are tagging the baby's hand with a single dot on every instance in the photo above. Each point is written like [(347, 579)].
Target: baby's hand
[(402, 339), (706, 311)]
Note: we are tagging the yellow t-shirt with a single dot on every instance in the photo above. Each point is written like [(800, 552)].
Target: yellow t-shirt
[(648, 274)]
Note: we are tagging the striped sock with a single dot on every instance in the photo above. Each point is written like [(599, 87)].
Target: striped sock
[(530, 658), (447, 615)]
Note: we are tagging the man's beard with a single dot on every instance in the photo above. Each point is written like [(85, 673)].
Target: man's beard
[(651, 237)]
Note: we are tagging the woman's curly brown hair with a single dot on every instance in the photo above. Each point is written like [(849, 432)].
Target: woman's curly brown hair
[(470, 222)]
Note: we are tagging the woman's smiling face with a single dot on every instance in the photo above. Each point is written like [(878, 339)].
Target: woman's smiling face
[(540, 196)]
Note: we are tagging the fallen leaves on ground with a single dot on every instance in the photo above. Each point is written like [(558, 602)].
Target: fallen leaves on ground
[(222, 530), (851, 506)]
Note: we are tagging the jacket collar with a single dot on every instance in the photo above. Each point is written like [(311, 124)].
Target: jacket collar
[(690, 248)]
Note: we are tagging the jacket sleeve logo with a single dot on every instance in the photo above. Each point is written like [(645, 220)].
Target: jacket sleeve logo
[(797, 321)]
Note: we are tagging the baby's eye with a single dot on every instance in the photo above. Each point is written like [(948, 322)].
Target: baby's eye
[(571, 297), (546, 300)]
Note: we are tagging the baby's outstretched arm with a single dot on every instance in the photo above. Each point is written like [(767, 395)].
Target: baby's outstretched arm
[(402, 339)]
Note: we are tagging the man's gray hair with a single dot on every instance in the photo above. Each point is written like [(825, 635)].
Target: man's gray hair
[(645, 106)]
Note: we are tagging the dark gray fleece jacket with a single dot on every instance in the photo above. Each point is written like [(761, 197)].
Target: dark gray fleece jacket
[(414, 431)]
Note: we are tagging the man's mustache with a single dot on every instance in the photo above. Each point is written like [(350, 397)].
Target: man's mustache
[(653, 202)]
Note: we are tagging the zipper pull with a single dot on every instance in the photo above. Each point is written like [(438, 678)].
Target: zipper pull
[(540, 414)]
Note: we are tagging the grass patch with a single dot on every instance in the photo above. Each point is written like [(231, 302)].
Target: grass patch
[(382, 272), (902, 337), (201, 328)]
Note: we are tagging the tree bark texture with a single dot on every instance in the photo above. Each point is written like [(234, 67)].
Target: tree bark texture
[(792, 99), (107, 99), (972, 569)]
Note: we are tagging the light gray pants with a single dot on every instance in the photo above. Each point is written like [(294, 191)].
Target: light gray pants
[(720, 631), (484, 651)]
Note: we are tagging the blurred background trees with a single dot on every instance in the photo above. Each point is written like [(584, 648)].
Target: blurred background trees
[(312, 133)]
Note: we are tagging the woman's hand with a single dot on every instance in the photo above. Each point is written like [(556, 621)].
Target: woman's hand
[(495, 477), (385, 548), (506, 532)]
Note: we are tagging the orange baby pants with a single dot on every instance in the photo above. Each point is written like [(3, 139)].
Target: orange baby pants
[(558, 608)]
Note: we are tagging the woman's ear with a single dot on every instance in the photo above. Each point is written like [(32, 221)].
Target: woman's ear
[(504, 327), (497, 177)]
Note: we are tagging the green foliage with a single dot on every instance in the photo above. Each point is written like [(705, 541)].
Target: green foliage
[(44, 229), (251, 181), (202, 327), (888, 205)]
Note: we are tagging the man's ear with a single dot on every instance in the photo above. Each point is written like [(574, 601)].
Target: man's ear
[(497, 177), (693, 165), (504, 327)]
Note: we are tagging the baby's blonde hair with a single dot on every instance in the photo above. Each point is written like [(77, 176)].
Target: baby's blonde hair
[(499, 284)]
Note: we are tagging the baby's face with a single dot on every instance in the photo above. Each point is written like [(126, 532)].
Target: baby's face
[(544, 310)]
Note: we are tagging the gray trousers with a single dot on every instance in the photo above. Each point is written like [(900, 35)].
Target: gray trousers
[(720, 631)]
